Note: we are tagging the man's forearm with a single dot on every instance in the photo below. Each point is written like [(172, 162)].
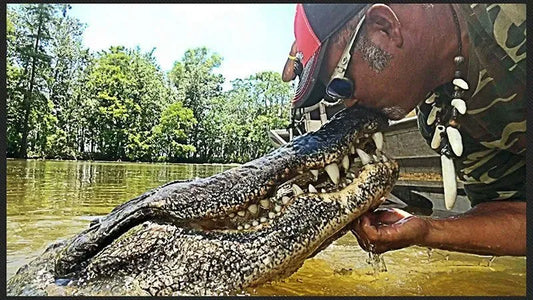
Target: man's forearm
[(493, 228)]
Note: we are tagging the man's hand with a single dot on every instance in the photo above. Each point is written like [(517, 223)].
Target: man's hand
[(490, 228), (389, 229)]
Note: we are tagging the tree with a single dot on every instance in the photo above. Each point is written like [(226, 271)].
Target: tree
[(68, 62), (37, 16), (241, 118), (126, 94), (44, 58), (196, 83), (170, 135)]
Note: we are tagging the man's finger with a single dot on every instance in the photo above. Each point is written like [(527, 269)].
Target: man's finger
[(389, 215)]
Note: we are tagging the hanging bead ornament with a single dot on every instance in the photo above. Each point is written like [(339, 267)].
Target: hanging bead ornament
[(443, 115)]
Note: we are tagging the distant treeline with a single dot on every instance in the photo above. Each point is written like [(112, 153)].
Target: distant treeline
[(65, 101)]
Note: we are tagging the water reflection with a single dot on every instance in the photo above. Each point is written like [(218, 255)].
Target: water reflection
[(50, 200)]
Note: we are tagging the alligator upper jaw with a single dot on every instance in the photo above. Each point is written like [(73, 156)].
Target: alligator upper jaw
[(262, 212), (321, 163)]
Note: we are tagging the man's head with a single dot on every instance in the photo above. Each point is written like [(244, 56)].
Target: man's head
[(394, 62)]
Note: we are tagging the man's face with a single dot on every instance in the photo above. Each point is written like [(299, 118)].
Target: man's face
[(381, 75)]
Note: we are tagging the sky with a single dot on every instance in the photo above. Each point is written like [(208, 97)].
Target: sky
[(249, 37)]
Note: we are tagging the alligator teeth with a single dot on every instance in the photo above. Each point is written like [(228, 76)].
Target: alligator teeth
[(231, 215), (323, 190), (348, 181), (333, 172), (460, 105), (277, 208), (239, 227), (255, 223), (448, 181), (435, 141), (264, 203), (375, 157), (365, 158), (241, 213), (312, 189), (378, 140), (455, 139), (352, 149), (350, 175), (271, 215), (432, 115), (460, 83), (346, 162), (263, 220), (252, 209), (315, 174), (384, 158), (246, 226), (296, 190), (285, 200)]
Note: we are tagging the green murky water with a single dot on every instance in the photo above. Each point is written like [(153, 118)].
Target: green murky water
[(50, 200)]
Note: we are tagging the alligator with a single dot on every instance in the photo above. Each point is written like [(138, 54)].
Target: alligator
[(237, 229)]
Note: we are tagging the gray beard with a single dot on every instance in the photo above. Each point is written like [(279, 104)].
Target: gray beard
[(377, 58)]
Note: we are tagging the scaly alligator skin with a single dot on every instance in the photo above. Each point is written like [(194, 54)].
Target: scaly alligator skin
[(222, 234)]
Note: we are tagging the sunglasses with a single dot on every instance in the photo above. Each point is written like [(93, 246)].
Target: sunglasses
[(339, 86)]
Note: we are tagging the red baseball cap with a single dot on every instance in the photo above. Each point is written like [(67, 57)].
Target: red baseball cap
[(314, 24)]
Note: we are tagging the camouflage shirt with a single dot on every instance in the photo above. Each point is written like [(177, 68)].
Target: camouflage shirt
[(493, 163)]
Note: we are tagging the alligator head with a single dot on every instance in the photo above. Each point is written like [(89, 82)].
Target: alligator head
[(230, 231)]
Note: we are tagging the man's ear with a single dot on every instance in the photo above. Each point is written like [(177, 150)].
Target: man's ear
[(381, 20)]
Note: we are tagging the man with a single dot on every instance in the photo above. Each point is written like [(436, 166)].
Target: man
[(460, 66)]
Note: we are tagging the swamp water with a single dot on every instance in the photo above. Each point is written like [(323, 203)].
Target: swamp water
[(50, 200)]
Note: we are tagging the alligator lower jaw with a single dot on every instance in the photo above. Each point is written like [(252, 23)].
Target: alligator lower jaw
[(332, 175)]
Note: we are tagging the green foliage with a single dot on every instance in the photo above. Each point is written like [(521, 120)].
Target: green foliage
[(66, 102), (241, 118), (196, 83), (170, 135), (28, 64), (127, 93)]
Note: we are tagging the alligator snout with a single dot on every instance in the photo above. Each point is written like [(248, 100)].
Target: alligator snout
[(330, 175)]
